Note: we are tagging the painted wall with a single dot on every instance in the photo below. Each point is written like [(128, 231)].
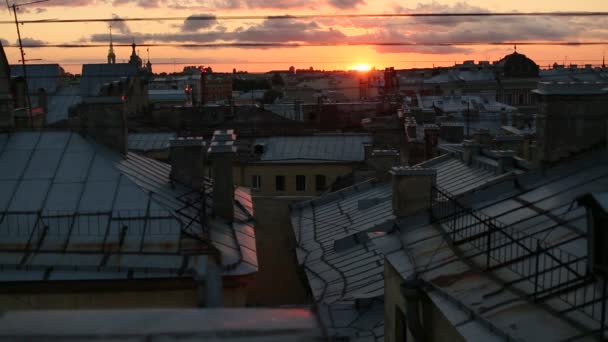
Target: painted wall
[(269, 171), (277, 261), (126, 294), (436, 326)]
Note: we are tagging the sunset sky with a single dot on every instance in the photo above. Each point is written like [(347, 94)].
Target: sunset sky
[(307, 31)]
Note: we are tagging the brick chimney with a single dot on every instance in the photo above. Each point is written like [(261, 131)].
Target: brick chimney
[(188, 161), (412, 189), (483, 137), (105, 124), (383, 161), (431, 140), (222, 152)]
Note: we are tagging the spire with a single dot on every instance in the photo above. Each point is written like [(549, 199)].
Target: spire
[(148, 65), (134, 57), (515, 47), (604, 61), (111, 55)]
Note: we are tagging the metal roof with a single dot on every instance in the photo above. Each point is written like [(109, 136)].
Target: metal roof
[(167, 95), (537, 209), (150, 141), (355, 271), (319, 148), (284, 324), (60, 103), (40, 76), (94, 76), (61, 195)]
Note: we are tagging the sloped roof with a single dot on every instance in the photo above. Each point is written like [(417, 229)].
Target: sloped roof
[(323, 148), (60, 103), (342, 239), (150, 141), (61, 195), (94, 76), (40, 76), (538, 209)]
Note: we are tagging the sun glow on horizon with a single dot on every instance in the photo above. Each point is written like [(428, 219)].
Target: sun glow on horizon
[(362, 67)]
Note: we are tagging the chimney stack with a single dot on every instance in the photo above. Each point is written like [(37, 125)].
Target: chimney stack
[(412, 189), (222, 152), (188, 161), (383, 161), (470, 149), (106, 125), (431, 140), (506, 160)]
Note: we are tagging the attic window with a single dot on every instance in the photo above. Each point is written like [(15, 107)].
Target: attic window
[(350, 241)]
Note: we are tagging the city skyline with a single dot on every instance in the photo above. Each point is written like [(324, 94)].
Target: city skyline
[(307, 31)]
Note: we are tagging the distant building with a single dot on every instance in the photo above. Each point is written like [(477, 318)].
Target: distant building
[(517, 76), (215, 87), (301, 165)]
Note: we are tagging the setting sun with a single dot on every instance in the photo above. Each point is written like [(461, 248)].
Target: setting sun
[(362, 67)]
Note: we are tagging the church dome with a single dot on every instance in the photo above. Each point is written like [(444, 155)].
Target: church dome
[(517, 65)]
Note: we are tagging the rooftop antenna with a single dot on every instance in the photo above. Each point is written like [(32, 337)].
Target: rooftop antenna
[(14, 7)]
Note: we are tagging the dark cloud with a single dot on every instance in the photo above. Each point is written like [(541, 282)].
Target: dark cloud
[(120, 25), (346, 4), (31, 42), (198, 22), (4, 42), (428, 35)]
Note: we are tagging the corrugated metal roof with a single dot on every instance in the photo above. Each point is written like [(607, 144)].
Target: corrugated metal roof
[(63, 194), (355, 272), (341, 147), (150, 141)]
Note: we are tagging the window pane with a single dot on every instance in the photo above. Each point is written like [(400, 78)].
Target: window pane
[(300, 183), (280, 183), (256, 182)]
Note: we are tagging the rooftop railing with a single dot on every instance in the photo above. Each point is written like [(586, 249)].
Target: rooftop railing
[(543, 271)]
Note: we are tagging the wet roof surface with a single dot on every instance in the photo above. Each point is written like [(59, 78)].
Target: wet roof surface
[(62, 195), (342, 242)]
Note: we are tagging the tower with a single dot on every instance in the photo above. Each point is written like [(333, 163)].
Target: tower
[(111, 55), (148, 65), (134, 59)]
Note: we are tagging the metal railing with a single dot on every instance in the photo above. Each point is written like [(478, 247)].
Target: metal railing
[(543, 271)]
